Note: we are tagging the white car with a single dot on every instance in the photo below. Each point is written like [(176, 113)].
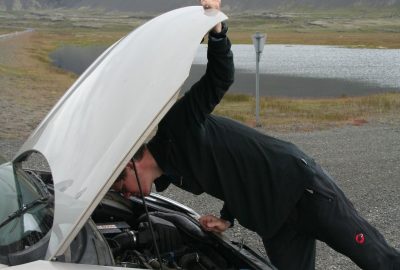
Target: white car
[(66, 216)]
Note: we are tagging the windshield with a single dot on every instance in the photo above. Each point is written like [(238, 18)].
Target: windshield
[(18, 191)]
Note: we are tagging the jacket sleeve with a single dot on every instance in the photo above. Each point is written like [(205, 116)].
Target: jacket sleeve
[(226, 215), (204, 95)]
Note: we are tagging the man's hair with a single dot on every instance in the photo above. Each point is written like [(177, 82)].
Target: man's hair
[(137, 156), (121, 176)]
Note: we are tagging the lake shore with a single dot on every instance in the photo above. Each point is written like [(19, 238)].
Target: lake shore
[(292, 86)]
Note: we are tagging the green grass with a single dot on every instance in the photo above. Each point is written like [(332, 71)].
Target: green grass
[(367, 28), (12, 71), (309, 114)]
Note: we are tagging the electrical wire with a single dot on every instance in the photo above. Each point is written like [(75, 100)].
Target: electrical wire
[(147, 215)]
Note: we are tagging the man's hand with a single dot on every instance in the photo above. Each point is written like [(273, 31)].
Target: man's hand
[(207, 4), (213, 4), (213, 224)]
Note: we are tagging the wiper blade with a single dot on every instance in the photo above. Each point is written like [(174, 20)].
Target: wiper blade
[(24, 209)]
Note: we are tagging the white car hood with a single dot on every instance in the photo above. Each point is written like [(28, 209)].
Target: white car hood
[(100, 122)]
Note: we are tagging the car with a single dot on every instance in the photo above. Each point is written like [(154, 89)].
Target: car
[(66, 214)]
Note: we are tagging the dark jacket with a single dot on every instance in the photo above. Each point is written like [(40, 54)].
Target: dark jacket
[(259, 178)]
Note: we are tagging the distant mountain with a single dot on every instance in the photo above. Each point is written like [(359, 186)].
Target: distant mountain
[(156, 6)]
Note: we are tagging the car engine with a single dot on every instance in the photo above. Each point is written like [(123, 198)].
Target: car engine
[(120, 233), (180, 241)]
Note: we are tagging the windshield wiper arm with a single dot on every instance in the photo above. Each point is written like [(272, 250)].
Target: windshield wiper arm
[(24, 209)]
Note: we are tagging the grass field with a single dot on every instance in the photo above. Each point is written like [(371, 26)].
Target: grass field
[(285, 114), (30, 84), (352, 28)]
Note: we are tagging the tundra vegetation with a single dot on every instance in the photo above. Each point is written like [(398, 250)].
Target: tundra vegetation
[(30, 84)]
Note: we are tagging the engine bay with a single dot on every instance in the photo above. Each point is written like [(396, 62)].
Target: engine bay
[(180, 241), (120, 233)]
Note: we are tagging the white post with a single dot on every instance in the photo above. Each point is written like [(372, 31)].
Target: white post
[(258, 41)]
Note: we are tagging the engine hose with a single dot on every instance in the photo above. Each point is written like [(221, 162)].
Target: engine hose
[(125, 240), (156, 265), (147, 214), (143, 260)]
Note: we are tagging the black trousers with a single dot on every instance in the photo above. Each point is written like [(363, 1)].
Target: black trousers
[(324, 213)]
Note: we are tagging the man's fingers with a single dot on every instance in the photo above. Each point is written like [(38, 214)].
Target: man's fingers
[(208, 221), (207, 4), (212, 224)]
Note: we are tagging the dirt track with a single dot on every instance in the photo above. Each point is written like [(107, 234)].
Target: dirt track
[(365, 160), (27, 89)]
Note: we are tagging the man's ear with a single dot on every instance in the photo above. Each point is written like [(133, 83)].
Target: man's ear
[(129, 165)]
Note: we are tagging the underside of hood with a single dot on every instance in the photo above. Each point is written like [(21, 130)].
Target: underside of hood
[(100, 122)]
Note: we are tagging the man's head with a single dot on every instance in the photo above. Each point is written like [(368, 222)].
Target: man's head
[(146, 168)]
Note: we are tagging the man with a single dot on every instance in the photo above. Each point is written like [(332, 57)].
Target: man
[(268, 185)]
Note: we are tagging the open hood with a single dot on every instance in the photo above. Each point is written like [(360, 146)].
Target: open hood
[(100, 122)]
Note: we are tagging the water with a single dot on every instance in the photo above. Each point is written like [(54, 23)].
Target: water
[(380, 66), (286, 70), (75, 58)]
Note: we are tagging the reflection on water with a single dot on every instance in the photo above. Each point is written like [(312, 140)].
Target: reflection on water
[(75, 58), (294, 86), (293, 71)]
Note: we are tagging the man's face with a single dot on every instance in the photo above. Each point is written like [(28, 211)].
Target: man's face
[(129, 186)]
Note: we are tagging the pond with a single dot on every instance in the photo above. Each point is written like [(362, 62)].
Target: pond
[(286, 70)]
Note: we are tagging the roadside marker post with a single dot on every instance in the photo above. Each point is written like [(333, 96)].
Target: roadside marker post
[(258, 41)]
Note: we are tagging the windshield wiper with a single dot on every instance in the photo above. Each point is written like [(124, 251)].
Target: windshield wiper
[(24, 209)]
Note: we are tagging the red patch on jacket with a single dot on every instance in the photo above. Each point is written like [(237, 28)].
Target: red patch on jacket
[(360, 239)]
